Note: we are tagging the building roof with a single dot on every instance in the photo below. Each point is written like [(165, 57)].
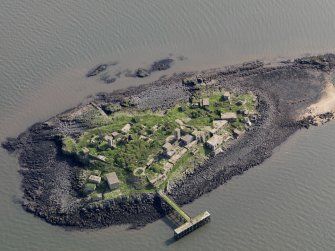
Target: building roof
[(94, 179), (219, 123), (126, 128), (101, 157), (107, 137), (229, 115), (179, 122), (237, 132), (215, 140), (115, 134), (167, 146), (112, 178), (170, 153), (187, 138), (85, 150), (177, 156), (205, 102)]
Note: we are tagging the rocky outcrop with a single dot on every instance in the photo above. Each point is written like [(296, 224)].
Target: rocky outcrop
[(283, 92)]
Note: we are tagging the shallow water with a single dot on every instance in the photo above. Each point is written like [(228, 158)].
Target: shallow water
[(46, 48)]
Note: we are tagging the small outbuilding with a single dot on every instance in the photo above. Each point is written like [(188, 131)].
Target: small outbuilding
[(85, 150), (214, 142), (200, 136), (177, 134), (170, 153), (115, 134), (226, 96), (167, 147), (229, 116), (112, 180), (188, 138), (237, 133), (205, 102), (126, 128), (110, 141), (94, 179), (102, 158)]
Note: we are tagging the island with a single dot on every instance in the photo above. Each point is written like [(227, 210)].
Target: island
[(130, 156)]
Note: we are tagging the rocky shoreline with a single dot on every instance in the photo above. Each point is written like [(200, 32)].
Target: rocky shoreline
[(284, 90)]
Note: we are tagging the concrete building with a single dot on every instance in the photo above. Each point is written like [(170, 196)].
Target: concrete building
[(94, 179), (200, 136), (229, 116), (195, 103), (167, 167), (112, 180), (226, 96), (177, 156), (218, 127), (191, 145), (85, 150), (237, 133), (89, 188), (167, 147), (188, 138), (205, 102), (214, 142), (102, 158), (150, 161), (170, 153), (126, 128), (179, 122), (219, 123), (177, 134), (110, 141), (115, 135)]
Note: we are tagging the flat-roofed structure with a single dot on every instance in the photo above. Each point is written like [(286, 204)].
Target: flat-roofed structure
[(200, 136), (110, 141), (126, 128), (229, 116), (177, 134), (173, 160), (112, 180), (192, 225), (205, 102), (94, 179), (214, 142), (237, 133), (188, 138), (226, 96)]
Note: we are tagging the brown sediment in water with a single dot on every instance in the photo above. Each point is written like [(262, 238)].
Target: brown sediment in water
[(290, 96)]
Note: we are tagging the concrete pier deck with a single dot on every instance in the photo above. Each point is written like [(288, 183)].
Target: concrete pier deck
[(191, 224), (188, 227)]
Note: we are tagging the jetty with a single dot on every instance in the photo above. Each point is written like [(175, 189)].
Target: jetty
[(190, 223)]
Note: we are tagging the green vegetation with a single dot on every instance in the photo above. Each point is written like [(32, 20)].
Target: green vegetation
[(130, 143)]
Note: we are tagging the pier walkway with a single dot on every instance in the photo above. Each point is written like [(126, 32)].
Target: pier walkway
[(191, 223)]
